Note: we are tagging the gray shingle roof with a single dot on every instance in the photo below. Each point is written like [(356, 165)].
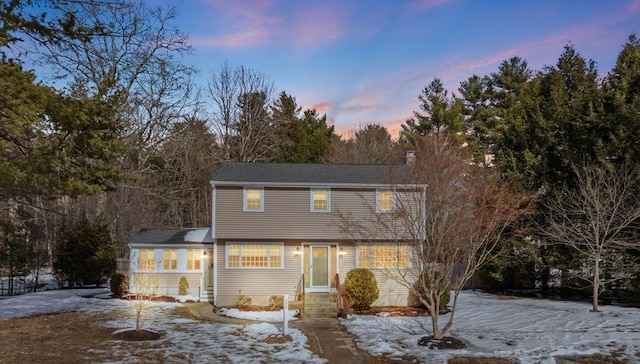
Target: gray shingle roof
[(171, 236), (310, 174)]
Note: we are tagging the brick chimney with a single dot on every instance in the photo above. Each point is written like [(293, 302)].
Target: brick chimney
[(410, 157)]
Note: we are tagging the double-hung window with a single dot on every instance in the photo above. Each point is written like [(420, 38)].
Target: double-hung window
[(385, 201), (193, 259), (383, 256), (320, 200), (170, 259), (146, 259), (254, 255), (253, 199)]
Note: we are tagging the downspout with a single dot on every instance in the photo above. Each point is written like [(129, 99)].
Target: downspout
[(214, 256)]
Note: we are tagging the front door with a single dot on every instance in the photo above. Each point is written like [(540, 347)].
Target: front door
[(319, 267)]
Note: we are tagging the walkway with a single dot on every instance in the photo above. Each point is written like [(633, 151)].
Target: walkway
[(328, 338), (331, 341)]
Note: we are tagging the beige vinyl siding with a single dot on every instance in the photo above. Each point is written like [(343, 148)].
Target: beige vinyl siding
[(347, 260), (286, 214), (168, 282), (391, 292), (257, 283)]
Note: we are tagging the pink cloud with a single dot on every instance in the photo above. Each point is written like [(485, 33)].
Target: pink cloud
[(322, 107), (317, 23), (422, 5), (246, 24), (243, 39)]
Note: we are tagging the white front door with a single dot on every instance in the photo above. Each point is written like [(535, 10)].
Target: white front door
[(319, 263)]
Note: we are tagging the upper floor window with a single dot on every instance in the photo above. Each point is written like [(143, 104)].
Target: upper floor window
[(170, 259), (193, 259), (385, 201), (146, 259), (383, 256), (253, 199), (320, 200), (251, 255)]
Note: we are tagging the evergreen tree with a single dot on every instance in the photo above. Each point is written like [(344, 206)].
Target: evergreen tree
[(15, 253), (85, 252), (309, 138), (477, 115), (441, 114), (622, 105), (51, 144)]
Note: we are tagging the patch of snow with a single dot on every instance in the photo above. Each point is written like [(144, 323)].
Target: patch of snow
[(268, 316), (185, 339), (199, 236), (526, 329), (185, 298), (39, 303)]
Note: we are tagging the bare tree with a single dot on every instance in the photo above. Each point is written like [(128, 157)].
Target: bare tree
[(146, 288), (240, 98), (599, 219), (449, 216), (188, 161)]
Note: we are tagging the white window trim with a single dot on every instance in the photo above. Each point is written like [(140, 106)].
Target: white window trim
[(311, 200), (177, 261), (393, 201), (157, 263), (244, 199), (368, 245), (186, 259), (240, 243)]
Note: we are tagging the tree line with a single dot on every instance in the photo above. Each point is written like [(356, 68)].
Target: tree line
[(109, 125)]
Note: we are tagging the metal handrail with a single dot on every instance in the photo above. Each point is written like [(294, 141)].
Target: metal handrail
[(300, 291), (338, 294)]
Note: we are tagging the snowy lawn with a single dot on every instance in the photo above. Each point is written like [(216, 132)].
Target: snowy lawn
[(529, 330), (184, 340)]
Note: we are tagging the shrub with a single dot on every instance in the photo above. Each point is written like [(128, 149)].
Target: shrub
[(361, 287), (423, 286), (242, 301), (276, 303), (119, 284), (183, 286)]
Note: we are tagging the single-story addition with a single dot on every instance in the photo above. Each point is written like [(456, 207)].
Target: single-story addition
[(275, 231), (168, 255)]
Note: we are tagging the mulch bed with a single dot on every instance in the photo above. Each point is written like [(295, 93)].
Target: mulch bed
[(138, 335), (447, 342), (276, 339), (391, 311)]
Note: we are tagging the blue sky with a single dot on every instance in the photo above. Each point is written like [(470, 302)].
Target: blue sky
[(366, 61)]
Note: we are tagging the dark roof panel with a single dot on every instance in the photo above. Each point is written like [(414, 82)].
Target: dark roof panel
[(308, 173)]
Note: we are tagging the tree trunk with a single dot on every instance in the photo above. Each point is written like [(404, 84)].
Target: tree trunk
[(437, 333), (596, 283)]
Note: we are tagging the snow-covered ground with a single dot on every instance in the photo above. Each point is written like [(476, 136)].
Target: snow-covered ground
[(185, 340), (529, 330)]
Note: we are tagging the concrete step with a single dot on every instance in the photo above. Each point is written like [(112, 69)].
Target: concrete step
[(320, 305)]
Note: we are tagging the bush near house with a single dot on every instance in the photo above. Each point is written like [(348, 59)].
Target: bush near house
[(276, 303), (362, 288), (183, 286), (423, 287), (119, 284)]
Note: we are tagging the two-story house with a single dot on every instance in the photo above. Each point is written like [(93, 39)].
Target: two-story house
[(276, 230)]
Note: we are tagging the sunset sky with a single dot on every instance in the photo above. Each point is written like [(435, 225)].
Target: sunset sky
[(366, 61)]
